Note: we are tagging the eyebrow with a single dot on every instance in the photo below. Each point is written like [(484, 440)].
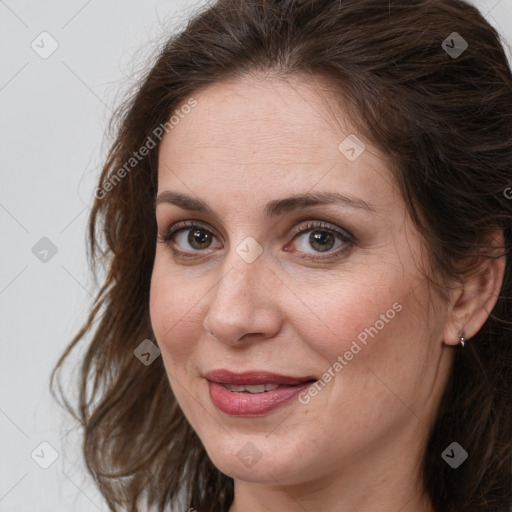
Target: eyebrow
[(273, 208)]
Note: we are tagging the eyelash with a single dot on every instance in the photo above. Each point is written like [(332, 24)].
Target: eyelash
[(347, 238)]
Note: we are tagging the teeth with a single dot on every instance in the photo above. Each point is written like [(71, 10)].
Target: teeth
[(255, 388)]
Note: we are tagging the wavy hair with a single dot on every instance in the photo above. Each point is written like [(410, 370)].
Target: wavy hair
[(445, 121)]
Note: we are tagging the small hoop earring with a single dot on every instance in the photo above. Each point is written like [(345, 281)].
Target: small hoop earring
[(462, 339)]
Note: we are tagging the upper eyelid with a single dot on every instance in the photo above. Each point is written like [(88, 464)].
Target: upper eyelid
[(189, 224), (309, 225), (301, 228)]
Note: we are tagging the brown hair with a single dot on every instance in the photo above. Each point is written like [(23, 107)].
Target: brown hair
[(446, 123)]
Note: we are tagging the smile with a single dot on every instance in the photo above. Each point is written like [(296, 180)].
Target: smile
[(253, 393)]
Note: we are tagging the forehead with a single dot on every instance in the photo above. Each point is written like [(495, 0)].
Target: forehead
[(260, 133), (259, 116)]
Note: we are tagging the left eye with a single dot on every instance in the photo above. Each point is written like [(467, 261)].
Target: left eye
[(321, 240), (322, 237)]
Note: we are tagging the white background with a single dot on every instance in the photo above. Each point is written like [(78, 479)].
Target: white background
[(54, 113)]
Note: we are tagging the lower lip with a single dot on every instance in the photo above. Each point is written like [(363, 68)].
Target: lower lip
[(252, 404)]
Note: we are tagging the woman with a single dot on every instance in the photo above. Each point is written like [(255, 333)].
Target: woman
[(307, 303)]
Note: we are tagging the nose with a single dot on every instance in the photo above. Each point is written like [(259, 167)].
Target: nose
[(242, 306)]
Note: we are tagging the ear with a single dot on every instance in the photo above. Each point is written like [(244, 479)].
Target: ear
[(474, 298)]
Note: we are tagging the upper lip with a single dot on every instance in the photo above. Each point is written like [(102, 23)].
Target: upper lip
[(223, 376)]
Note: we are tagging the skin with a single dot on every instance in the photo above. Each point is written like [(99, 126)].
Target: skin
[(357, 445)]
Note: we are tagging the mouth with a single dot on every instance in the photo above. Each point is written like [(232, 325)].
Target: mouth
[(254, 388), (255, 393), (256, 381)]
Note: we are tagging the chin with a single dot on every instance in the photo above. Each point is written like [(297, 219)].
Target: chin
[(254, 459)]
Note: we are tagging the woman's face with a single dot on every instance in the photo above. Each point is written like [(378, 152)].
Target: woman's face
[(239, 291)]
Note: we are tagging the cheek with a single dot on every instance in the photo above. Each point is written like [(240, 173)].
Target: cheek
[(332, 314), (173, 302), (366, 329)]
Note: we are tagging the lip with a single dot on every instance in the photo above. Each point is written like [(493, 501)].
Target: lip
[(253, 404), (223, 376)]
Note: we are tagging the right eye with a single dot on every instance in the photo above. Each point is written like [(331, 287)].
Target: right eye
[(188, 233)]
